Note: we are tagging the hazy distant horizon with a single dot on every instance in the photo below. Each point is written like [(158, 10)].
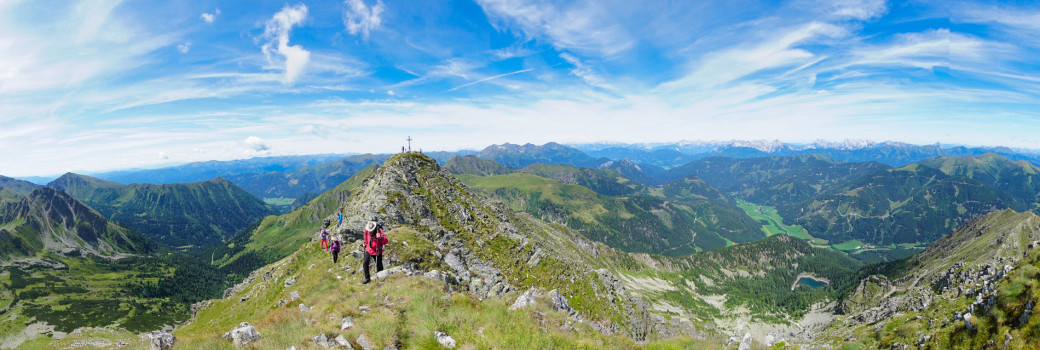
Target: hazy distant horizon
[(51, 176)]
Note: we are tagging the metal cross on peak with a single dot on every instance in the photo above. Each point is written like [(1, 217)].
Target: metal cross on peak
[(409, 143)]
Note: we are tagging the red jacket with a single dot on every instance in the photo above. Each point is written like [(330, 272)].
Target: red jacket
[(374, 245)]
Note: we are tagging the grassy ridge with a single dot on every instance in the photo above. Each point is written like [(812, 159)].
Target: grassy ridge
[(403, 311), (278, 236)]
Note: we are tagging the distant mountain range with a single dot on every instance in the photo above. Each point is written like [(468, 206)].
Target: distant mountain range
[(894, 154), (623, 250), (51, 220), (199, 214)]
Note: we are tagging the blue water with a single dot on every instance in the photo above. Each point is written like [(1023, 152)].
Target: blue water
[(811, 283)]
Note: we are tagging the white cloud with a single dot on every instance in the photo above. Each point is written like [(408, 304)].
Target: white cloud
[(184, 47), (316, 130), (510, 52), (584, 26), (163, 156), (360, 18), (254, 145), (210, 17), (854, 9), (277, 31)]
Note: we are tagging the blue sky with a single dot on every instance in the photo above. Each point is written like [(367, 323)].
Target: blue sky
[(95, 85)]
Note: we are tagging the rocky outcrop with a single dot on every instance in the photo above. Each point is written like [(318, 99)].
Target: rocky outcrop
[(161, 340), (323, 341), (364, 342), (445, 340), (245, 334)]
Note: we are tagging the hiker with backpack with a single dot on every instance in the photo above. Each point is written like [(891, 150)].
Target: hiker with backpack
[(325, 240), (340, 218), (375, 239), (335, 248)]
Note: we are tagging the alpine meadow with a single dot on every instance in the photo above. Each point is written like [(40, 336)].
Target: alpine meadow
[(519, 174)]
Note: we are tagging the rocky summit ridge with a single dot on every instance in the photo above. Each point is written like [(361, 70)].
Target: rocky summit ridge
[(441, 234), (483, 247), (972, 288)]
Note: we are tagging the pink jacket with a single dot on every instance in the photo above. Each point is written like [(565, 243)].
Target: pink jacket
[(374, 243)]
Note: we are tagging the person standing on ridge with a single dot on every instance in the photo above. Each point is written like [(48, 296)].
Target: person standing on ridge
[(340, 218), (325, 240), (375, 239), (335, 249)]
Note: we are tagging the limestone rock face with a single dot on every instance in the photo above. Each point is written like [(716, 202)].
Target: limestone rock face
[(161, 340), (524, 299), (245, 334), (745, 344)]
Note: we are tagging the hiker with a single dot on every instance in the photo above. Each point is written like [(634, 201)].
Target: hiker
[(335, 248), (325, 240), (340, 218), (375, 239)]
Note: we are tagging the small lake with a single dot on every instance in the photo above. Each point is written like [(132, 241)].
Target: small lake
[(811, 282)]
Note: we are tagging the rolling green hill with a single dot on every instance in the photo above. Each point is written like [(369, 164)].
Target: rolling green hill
[(471, 165), (13, 190), (195, 215), (775, 181), (607, 182), (1020, 179), (912, 204), (639, 223)]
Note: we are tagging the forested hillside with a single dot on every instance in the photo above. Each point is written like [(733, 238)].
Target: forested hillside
[(195, 215)]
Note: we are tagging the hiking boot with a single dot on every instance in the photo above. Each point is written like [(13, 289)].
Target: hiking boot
[(365, 281)]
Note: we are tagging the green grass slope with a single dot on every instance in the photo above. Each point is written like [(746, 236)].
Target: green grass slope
[(276, 237), (401, 311), (988, 267), (13, 190)]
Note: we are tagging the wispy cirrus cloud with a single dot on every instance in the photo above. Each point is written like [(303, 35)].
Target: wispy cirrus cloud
[(584, 26), (88, 41), (493, 77)]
